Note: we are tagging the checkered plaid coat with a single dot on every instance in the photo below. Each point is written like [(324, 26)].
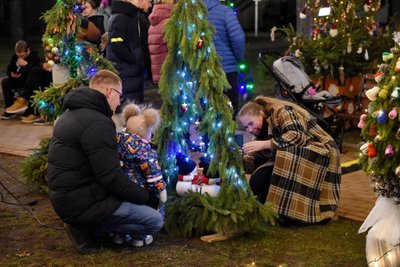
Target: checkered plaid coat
[(305, 183)]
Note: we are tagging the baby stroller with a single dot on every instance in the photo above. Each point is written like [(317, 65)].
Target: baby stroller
[(295, 86)]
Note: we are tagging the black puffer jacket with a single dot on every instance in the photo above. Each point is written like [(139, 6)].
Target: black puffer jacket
[(84, 174), (124, 48)]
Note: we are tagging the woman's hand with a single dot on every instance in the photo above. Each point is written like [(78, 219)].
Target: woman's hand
[(255, 146)]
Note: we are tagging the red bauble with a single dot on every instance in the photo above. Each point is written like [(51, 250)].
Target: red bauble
[(184, 107), (200, 44)]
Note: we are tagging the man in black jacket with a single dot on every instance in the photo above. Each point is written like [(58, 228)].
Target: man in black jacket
[(88, 189)]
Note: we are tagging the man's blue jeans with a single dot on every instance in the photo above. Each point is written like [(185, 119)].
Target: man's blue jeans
[(132, 219)]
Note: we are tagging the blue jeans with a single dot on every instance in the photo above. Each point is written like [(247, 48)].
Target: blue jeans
[(131, 219)]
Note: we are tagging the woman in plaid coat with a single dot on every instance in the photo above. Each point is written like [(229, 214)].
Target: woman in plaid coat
[(296, 163)]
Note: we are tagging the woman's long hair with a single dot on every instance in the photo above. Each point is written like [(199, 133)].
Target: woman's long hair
[(263, 103)]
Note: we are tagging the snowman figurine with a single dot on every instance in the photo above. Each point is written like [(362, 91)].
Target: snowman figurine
[(187, 178)]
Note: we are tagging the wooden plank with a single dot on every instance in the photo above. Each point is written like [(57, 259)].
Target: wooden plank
[(214, 238)]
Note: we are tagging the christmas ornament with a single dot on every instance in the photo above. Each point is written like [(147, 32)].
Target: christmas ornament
[(184, 107), (341, 75), (333, 32), (366, 55), (397, 67), (397, 171), (382, 118), (272, 35), (395, 93), (364, 149), (51, 63), (200, 43), (393, 114), (349, 46), (386, 56), (398, 134), (384, 92), (389, 151), (359, 50), (373, 130), (371, 151), (298, 53), (302, 14), (378, 76), (361, 123), (372, 93), (55, 50)]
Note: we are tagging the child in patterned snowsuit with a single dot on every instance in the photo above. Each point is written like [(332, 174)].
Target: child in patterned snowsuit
[(138, 154)]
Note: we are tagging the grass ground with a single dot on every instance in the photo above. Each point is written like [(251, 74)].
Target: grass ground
[(23, 242)]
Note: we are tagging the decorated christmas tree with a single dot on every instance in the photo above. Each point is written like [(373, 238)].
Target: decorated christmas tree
[(380, 160), (340, 37), (191, 88), (73, 62)]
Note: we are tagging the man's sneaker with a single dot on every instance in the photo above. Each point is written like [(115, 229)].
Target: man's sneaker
[(6, 116), (120, 239), (30, 118), (139, 242), (81, 240), (41, 121), (20, 105)]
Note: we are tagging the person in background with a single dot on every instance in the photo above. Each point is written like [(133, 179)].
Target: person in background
[(98, 19), (87, 187), (103, 44), (295, 164), (144, 34), (124, 47), (38, 79), (21, 63), (105, 7), (157, 47), (229, 41)]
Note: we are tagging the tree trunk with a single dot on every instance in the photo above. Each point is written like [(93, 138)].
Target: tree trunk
[(16, 21)]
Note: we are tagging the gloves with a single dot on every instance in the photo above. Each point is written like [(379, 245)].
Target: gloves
[(163, 196)]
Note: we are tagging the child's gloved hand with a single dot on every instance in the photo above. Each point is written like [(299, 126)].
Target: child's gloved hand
[(163, 196)]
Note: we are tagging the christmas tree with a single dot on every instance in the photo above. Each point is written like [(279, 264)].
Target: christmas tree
[(380, 160), (191, 88), (63, 49), (340, 39)]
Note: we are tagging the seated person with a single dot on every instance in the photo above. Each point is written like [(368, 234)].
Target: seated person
[(20, 65), (38, 79), (296, 163)]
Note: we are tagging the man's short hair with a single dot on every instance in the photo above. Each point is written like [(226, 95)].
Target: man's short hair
[(104, 78), (21, 46)]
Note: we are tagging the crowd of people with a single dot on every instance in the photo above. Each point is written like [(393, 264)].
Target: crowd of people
[(99, 199)]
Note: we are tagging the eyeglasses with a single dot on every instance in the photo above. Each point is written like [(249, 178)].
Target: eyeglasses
[(121, 96)]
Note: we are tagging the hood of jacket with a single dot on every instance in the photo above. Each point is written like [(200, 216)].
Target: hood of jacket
[(211, 3), (87, 98), (121, 7), (159, 13)]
